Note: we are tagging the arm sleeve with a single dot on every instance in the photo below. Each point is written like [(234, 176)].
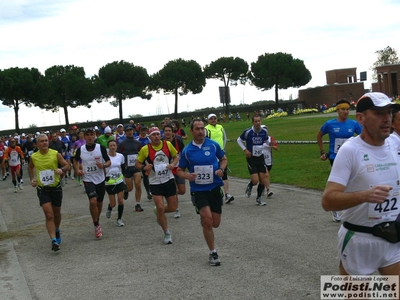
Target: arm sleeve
[(104, 153), (240, 143)]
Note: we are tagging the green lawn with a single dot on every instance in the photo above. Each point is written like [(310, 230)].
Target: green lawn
[(294, 164)]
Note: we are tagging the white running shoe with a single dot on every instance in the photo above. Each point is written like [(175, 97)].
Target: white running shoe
[(177, 214), (336, 216)]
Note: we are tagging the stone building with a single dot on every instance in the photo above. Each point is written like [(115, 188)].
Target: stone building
[(340, 83), (388, 77)]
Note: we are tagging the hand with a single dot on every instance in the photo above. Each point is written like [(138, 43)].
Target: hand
[(219, 172), (34, 182), (323, 157), (378, 193), (192, 176)]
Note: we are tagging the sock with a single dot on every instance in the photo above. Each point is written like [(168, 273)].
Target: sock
[(167, 231), (137, 203), (96, 223), (260, 189), (212, 251), (53, 240), (120, 211), (14, 182)]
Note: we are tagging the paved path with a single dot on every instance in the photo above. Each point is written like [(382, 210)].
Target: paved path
[(274, 252)]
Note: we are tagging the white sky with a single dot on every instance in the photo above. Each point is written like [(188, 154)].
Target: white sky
[(93, 33)]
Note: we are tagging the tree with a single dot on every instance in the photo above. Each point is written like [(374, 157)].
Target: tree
[(230, 71), (280, 70), (179, 76), (387, 56), (19, 86), (123, 80), (65, 86)]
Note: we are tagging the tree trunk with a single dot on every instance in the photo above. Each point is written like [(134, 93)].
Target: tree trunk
[(276, 97), (227, 100), (16, 109), (176, 105), (66, 116), (121, 119)]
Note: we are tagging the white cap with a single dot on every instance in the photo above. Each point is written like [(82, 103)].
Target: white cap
[(211, 115), (62, 130), (107, 129), (374, 100)]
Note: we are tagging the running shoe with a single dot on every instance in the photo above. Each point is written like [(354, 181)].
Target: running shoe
[(214, 259), (20, 186), (54, 246), (149, 196), (138, 208), (269, 193), (336, 216), (15, 190), (177, 214), (108, 213), (120, 223), (21, 181), (167, 238), (248, 190), (58, 237), (97, 231), (126, 195), (260, 202), (4, 177), (229, 198)]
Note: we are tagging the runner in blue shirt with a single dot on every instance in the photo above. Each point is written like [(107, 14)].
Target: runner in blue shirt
[(255, 137), (339, 130), (206, 162)]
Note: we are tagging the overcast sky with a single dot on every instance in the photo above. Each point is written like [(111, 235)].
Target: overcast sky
[(92, 33)]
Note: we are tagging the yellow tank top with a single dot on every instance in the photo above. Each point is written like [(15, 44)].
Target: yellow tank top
[(45, 164)]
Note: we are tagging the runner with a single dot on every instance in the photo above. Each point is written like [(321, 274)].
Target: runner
[(13, 155), (177, 142), (115, 185), (255, 137), (129, 148), (159, 158), (94, 160), (46, 162), (206, 162)]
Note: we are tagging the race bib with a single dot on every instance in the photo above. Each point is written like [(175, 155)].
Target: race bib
[(338, 144), (267, 159), (47, 177), (204, 174), (389, 209), (14, 156), (90, 167), (162, 173), (131, 159), (257, 150)]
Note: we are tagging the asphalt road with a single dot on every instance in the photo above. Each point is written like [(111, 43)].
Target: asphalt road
[(278, 251)]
